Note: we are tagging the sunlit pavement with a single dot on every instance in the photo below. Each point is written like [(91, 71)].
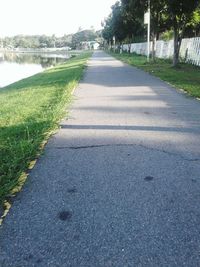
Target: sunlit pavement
[(119, 184)]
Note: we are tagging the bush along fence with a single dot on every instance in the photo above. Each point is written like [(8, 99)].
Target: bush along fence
[(189, 50)]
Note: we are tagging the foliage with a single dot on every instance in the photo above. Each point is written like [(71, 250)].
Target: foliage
[(167, 35), (82, 36), (181, 13), (30, 109), (36, 41), (133, 16), (192, 28), (121, 24), (117, 22), (43, 41), (182, 17), (108, 31)]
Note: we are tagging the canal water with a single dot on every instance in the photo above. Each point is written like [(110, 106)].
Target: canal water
[(16, 66)]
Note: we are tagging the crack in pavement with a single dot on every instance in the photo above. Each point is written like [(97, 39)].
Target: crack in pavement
[(127, 145)]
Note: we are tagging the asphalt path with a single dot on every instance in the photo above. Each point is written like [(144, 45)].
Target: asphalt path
[(118, 185)]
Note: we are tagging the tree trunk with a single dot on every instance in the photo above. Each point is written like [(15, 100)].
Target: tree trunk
[(154, 48), (129, 48), (177, 45), (175, 57)]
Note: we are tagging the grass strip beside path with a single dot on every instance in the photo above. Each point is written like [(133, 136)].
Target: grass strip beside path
[(184, 76), (29, 111)]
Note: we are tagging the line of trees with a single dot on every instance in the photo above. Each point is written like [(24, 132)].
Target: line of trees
[(42, 41), (35, 41), (126, 22)]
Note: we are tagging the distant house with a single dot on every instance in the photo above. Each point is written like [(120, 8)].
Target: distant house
[(96, 46)]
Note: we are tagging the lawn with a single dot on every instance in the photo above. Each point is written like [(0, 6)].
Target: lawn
[(29, 111), (184, 76)]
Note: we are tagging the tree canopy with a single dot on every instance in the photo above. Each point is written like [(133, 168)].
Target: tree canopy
[(82, 36), (126, 21), (44, 41)]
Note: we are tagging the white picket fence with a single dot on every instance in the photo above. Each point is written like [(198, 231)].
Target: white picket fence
[(189, 51)]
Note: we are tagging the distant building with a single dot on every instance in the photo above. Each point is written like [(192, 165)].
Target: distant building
[(96, 46)]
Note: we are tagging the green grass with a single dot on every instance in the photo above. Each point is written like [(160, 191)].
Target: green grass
[(184, 76), (29, 111)]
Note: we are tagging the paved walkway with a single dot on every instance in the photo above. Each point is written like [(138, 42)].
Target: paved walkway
[(118, 185)]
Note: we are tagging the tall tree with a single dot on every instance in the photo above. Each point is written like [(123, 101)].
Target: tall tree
[(117, 22), (114, 25), (180, 14), (83, 36), (122, 24), (134, 16), (107, 31)]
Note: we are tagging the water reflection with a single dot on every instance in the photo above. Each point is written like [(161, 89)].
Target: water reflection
[(16, 66)]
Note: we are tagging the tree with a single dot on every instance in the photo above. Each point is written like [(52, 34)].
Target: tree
[(117, 22), (134, 14), (133, 17), (121, 24), (133, 25), (107, 32), (180, 14), (83, 36)]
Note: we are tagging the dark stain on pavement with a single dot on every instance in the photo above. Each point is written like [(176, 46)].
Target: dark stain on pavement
[(72, 190), (29, 257), (148, 178), (65, 215), (39, 261)]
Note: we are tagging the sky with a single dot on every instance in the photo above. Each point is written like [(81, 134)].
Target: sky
[(49, 17)]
